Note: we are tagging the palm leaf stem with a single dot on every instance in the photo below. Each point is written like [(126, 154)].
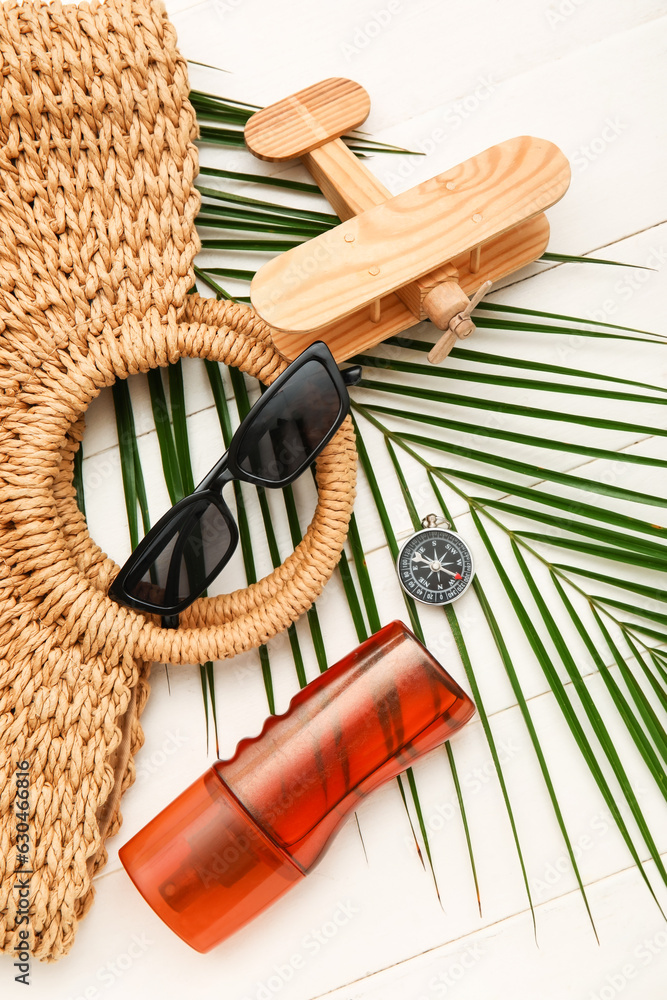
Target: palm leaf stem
[(393, 543)]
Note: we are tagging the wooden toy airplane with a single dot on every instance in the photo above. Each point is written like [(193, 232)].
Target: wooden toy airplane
[(394, 261)]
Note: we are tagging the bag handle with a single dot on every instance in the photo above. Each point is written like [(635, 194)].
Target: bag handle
[(212, 628)]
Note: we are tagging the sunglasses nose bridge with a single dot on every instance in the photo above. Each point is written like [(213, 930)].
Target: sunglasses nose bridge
[(218, 477)]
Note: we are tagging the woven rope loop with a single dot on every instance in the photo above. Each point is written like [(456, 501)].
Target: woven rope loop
[(216, 628)]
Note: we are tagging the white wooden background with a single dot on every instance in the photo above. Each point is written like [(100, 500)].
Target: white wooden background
[(451, 79)]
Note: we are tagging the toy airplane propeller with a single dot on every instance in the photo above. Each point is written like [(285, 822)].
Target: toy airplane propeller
[(394, 261)]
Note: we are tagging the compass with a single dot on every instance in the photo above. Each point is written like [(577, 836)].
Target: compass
[(435, 565)]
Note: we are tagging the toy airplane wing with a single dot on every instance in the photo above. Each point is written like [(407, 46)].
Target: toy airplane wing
[(388, 246)]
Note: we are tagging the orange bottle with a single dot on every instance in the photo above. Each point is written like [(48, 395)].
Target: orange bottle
[(253, 826)]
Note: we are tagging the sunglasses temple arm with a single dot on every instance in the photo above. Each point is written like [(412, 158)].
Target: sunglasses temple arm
[(352, 375)]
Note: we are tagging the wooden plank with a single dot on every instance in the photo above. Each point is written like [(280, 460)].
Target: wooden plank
[(402, 60), (392, 244), (309, 118)]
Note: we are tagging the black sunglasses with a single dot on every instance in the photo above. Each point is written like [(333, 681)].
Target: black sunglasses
[(280, 437)]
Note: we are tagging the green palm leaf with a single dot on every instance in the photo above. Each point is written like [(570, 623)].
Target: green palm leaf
[(523, 488)]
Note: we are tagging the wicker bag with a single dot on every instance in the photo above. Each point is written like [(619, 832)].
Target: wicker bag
[(97, 242)]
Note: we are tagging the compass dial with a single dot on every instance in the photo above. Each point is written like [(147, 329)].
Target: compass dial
[(435, 566)]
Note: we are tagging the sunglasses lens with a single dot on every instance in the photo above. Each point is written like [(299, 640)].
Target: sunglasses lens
[(185, 556), (289, 428)]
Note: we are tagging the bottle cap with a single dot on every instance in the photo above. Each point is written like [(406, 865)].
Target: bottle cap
[(205, 866)]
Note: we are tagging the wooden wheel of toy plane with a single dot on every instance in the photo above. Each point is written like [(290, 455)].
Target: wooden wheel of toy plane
[(394, 261)]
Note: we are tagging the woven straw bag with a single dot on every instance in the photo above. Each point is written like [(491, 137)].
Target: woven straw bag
[(97, 242)]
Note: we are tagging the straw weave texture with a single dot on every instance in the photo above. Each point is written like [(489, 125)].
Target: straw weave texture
[(97, 241)]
